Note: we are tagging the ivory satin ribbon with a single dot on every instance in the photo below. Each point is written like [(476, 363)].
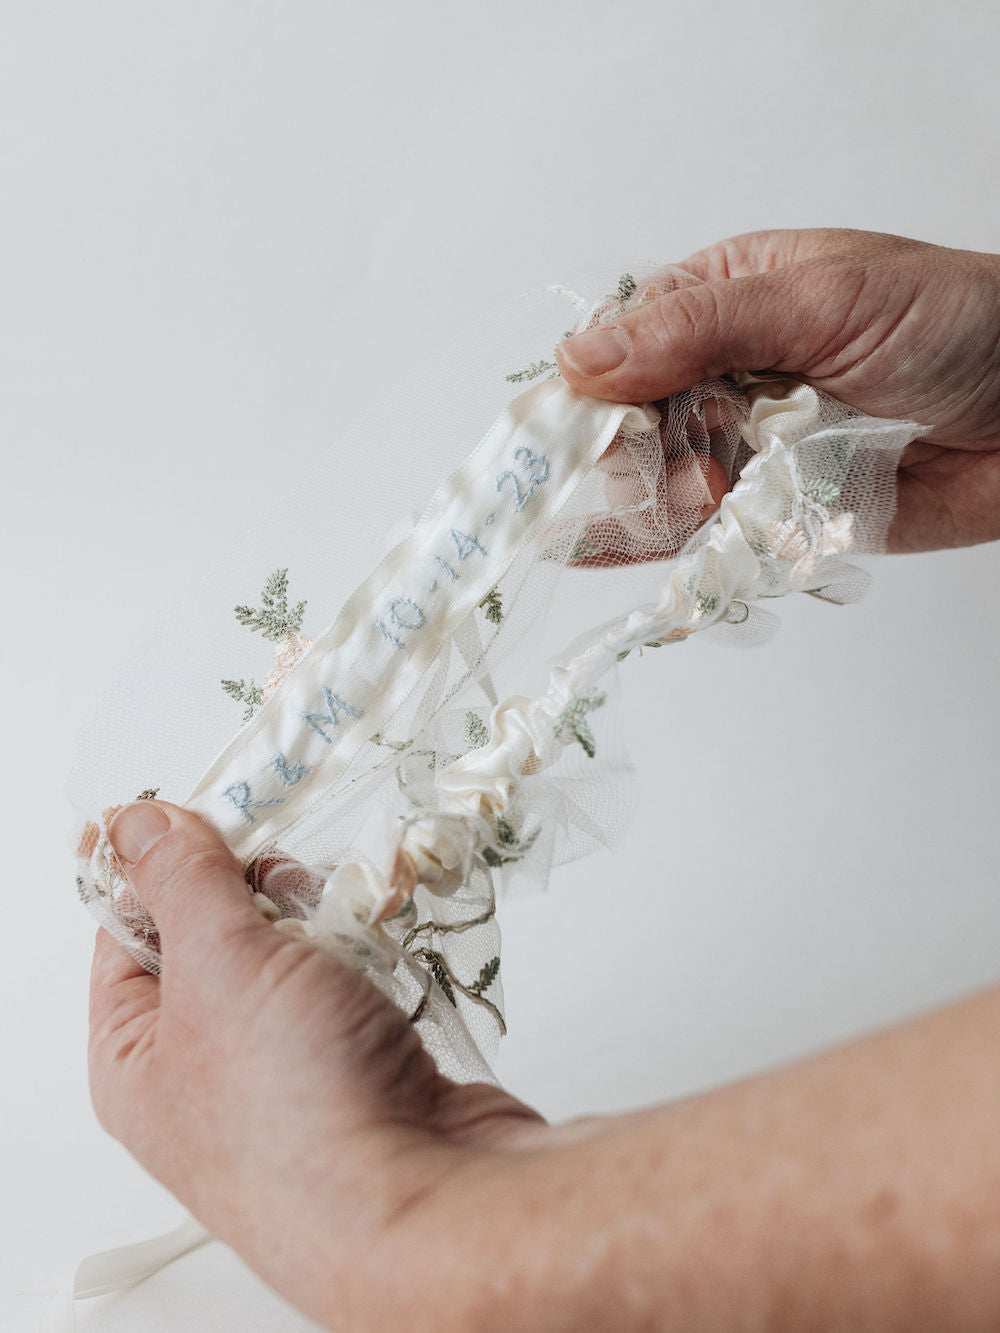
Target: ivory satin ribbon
[(389, 633), (514, 483), (114, 1270)]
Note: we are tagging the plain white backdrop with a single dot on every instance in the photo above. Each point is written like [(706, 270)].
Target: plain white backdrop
[(224, 224)]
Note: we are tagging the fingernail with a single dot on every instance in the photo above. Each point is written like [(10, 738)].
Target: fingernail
[(135, 828), (596, 352)]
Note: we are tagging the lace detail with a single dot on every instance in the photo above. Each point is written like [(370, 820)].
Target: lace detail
[(378, 804)]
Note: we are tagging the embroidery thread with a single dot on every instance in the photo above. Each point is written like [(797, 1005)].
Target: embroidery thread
[(334, 707), (245, 692), (492, 607), (273, 618), (239, 794), (290, 774), (282, 625), (573, 719), (477, 733)]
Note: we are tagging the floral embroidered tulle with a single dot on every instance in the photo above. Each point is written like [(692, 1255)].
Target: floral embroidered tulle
[(273, 620), (382, 788)]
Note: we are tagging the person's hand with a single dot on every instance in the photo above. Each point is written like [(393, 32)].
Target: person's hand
[(894, 327), (293, 1109), (277, 1093)]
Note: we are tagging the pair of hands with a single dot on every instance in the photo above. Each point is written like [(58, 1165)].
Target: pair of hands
[(285, 1101)]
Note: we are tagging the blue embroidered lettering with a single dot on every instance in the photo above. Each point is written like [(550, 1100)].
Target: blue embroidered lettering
[(519, 500), (386, 635), (446, 567), (334, 707), (528, 458), (535, 479), (464, 544), (239, 794), (290, 774), (406, 622)]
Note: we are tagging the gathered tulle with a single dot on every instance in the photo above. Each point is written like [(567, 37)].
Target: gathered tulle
[(428, 745)]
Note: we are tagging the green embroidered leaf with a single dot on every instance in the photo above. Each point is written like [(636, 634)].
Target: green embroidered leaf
[(626, 287), (707, 603), (477, 733), (245, 693), (759, 546), (840, 451), (822, 492), (487, 976), (273, 619), (572, 719), (583, 549), (449, 983), (440, 974), (493, 607), (509, 846), (532, 372), (506, 836), (585, 736)]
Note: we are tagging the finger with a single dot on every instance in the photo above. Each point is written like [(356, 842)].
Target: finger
[(611, 542), (124, 1000), (187, 879), (113, 964), (117, 982), (690, 334), (762, 252), (650, 518), (717, 481)]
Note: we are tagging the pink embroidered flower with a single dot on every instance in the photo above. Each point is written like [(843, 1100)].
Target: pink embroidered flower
[(286, 654), (789, 540)]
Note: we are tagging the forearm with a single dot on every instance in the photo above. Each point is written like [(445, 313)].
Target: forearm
[(859, 1190)]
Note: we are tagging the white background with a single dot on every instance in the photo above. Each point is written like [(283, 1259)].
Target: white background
[(225, 224)]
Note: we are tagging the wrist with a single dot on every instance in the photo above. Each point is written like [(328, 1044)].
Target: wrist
[(506, 1236)]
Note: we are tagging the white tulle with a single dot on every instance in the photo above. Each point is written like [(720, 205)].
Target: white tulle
[(382, 789)]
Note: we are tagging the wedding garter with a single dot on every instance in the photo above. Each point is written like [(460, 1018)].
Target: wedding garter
[(449, 733)]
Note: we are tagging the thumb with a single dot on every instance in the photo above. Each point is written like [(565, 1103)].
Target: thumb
[(183, 874), (687, 335)]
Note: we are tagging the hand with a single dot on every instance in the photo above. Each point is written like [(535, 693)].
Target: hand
[(277, 1093), (292, 1108), (894, 327)]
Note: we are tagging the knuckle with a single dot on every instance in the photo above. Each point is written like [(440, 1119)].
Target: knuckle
[(690, 314), (191, 865), (371, 1034), (289, 965), (832, 282), (366, 1022), (115, 1038), (374, 1035)]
